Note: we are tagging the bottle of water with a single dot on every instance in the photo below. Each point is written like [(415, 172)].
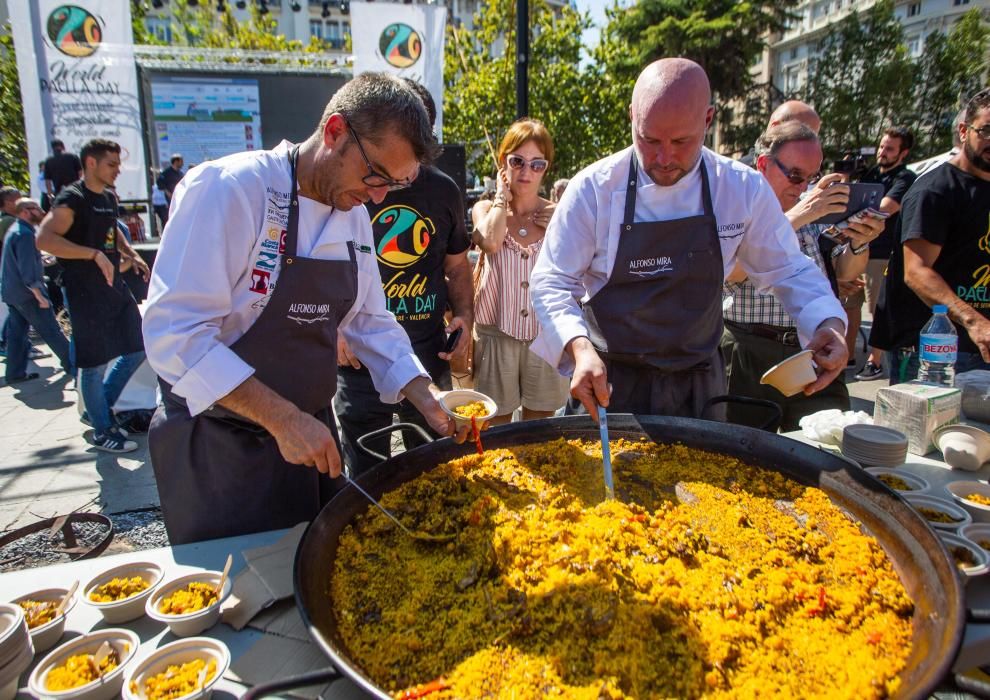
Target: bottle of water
[(937, 349)]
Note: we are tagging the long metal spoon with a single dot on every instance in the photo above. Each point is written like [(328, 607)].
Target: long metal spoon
[(421, 536), (606, 452)]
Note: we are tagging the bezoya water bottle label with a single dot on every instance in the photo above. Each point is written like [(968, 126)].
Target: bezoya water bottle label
[(938, 347)]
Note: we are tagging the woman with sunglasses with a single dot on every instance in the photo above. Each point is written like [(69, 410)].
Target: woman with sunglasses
[(510, 230)]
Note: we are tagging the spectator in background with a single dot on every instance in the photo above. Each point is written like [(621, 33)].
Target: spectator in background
[(942, 256), (557, 191), (8, 208), (893, 174), (22, 288), (42, 182), (510, 231), (159, 204), (61, 169), (171, 176)]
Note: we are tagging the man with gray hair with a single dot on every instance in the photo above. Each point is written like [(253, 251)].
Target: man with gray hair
[(268, 255), (628, 284), (759, 333)]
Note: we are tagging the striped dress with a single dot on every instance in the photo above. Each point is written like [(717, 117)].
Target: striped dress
[(503, 290)]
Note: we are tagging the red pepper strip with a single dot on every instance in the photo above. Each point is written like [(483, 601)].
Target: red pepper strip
[(425, 689), (822, 606), (477, 436)]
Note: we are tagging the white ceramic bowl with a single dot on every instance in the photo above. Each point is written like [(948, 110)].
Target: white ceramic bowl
[(961, 489), (192, 623), (791, 376), (176, 654), (924, 501), (963, 446), (917, 484), (982, 557), (14, 634), (45, 636), (450, 400), (124, 642), (130, 608)]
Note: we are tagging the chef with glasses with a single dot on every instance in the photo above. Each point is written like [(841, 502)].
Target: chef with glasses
[(265, 257), (628, 290)]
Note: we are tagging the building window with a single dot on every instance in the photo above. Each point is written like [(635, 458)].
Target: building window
[(794, 53), (347, 28), (792, 79), (914, 9), (914, 46), (960, 2), (316, 28), (160, 28)]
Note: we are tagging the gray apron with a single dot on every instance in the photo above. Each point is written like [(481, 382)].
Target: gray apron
[(221, 475), (657, 321)]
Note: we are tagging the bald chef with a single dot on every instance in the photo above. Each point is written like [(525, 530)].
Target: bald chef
[(628, 286)]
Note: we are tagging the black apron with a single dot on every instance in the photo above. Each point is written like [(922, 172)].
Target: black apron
[(220, 475), (105, 319), (657, 322)]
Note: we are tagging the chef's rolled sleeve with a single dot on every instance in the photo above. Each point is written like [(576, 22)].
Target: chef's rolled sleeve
[(218, 373)]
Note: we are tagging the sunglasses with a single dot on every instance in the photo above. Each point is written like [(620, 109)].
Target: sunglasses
[(793, 177), (374, 178), (983, 132), (537, 165)]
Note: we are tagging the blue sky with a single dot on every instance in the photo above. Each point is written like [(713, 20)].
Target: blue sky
[(597, 10)]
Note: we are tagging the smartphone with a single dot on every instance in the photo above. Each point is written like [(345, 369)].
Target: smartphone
[(862, 195), (452, 341), (844, 166)]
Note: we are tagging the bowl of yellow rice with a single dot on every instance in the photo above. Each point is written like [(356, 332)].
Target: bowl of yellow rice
[(182, 669), (463, 404), (120, 593), (70, 671), (974, 496), (189, 604), (45, 626)]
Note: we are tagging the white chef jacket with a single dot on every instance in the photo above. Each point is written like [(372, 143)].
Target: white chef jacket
[(218, 265), (583, 237)]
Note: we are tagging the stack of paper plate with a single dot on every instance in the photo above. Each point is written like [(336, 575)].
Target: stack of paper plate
[(16, 649), (874, 445)]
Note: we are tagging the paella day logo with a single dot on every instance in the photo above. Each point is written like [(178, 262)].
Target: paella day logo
[(400, 45), (74, 31), (405, 235)]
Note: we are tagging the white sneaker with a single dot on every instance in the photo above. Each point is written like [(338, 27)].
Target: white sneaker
[(113, 441)]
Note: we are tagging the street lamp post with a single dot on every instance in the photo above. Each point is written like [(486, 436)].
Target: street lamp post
[(522, 58)]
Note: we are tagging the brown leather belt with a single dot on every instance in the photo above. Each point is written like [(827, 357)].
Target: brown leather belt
[(784, 336)]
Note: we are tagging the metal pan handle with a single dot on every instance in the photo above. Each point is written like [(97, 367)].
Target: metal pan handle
[(388, 430), (771, 424), (322, 676)]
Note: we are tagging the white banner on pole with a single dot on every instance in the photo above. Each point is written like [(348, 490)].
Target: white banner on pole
[(405, 40), (78, 81)]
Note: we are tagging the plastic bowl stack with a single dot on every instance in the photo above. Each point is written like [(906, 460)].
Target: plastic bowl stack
[(16, 648), (874, 445)]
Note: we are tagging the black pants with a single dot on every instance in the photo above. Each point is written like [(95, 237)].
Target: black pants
[(360, 411), (747, 357)]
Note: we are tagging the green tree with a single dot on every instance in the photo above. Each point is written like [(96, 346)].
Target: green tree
[(860, 81), (480, 92), (951, 69), (14, 169), (724, 36)]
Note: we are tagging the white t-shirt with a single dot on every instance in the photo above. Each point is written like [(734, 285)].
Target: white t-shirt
[(219, 264), (583, 237)]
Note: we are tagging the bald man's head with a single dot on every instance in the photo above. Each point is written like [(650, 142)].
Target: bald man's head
[(795, 110), (670, 112)]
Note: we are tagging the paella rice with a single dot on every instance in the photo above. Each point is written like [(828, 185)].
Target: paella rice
[(963, 556), (79, 670), (476, 409), (978, 498), (706, 577), (38, 612), (189, 599), (176, 680), (118, 589), (895, 482), (935, 515)]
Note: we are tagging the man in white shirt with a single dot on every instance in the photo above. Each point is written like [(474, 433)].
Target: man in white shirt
[(269, 253), (628, 288)]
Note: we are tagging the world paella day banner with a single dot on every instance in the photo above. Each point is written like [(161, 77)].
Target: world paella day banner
[(78, 81), (405, 40)]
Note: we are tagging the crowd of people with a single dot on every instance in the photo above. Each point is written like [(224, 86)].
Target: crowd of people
[(652, 281)]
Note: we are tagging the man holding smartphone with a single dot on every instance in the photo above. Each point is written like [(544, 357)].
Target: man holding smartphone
[(892, 172), (421, 243)]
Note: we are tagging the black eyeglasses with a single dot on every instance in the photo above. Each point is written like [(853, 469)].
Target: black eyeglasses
[(375, 178), (793, 177), (537, 165), (983, 132)]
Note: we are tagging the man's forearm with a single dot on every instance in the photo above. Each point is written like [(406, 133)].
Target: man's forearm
[(460, 291), (849, 266), (420, 391), (57, 245), (932, 289), (258, 403), (125, 245)]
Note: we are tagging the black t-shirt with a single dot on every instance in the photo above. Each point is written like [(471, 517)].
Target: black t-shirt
[(896, 182), (62, 169), (168, 180), (949, 208), (415, 230), (95, 217)]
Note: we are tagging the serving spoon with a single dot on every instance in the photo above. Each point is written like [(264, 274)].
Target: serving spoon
[(420, 536)]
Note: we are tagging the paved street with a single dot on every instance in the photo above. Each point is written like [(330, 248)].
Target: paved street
[(47, 468)]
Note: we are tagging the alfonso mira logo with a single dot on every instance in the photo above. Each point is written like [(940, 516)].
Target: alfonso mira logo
[(74, 31)]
